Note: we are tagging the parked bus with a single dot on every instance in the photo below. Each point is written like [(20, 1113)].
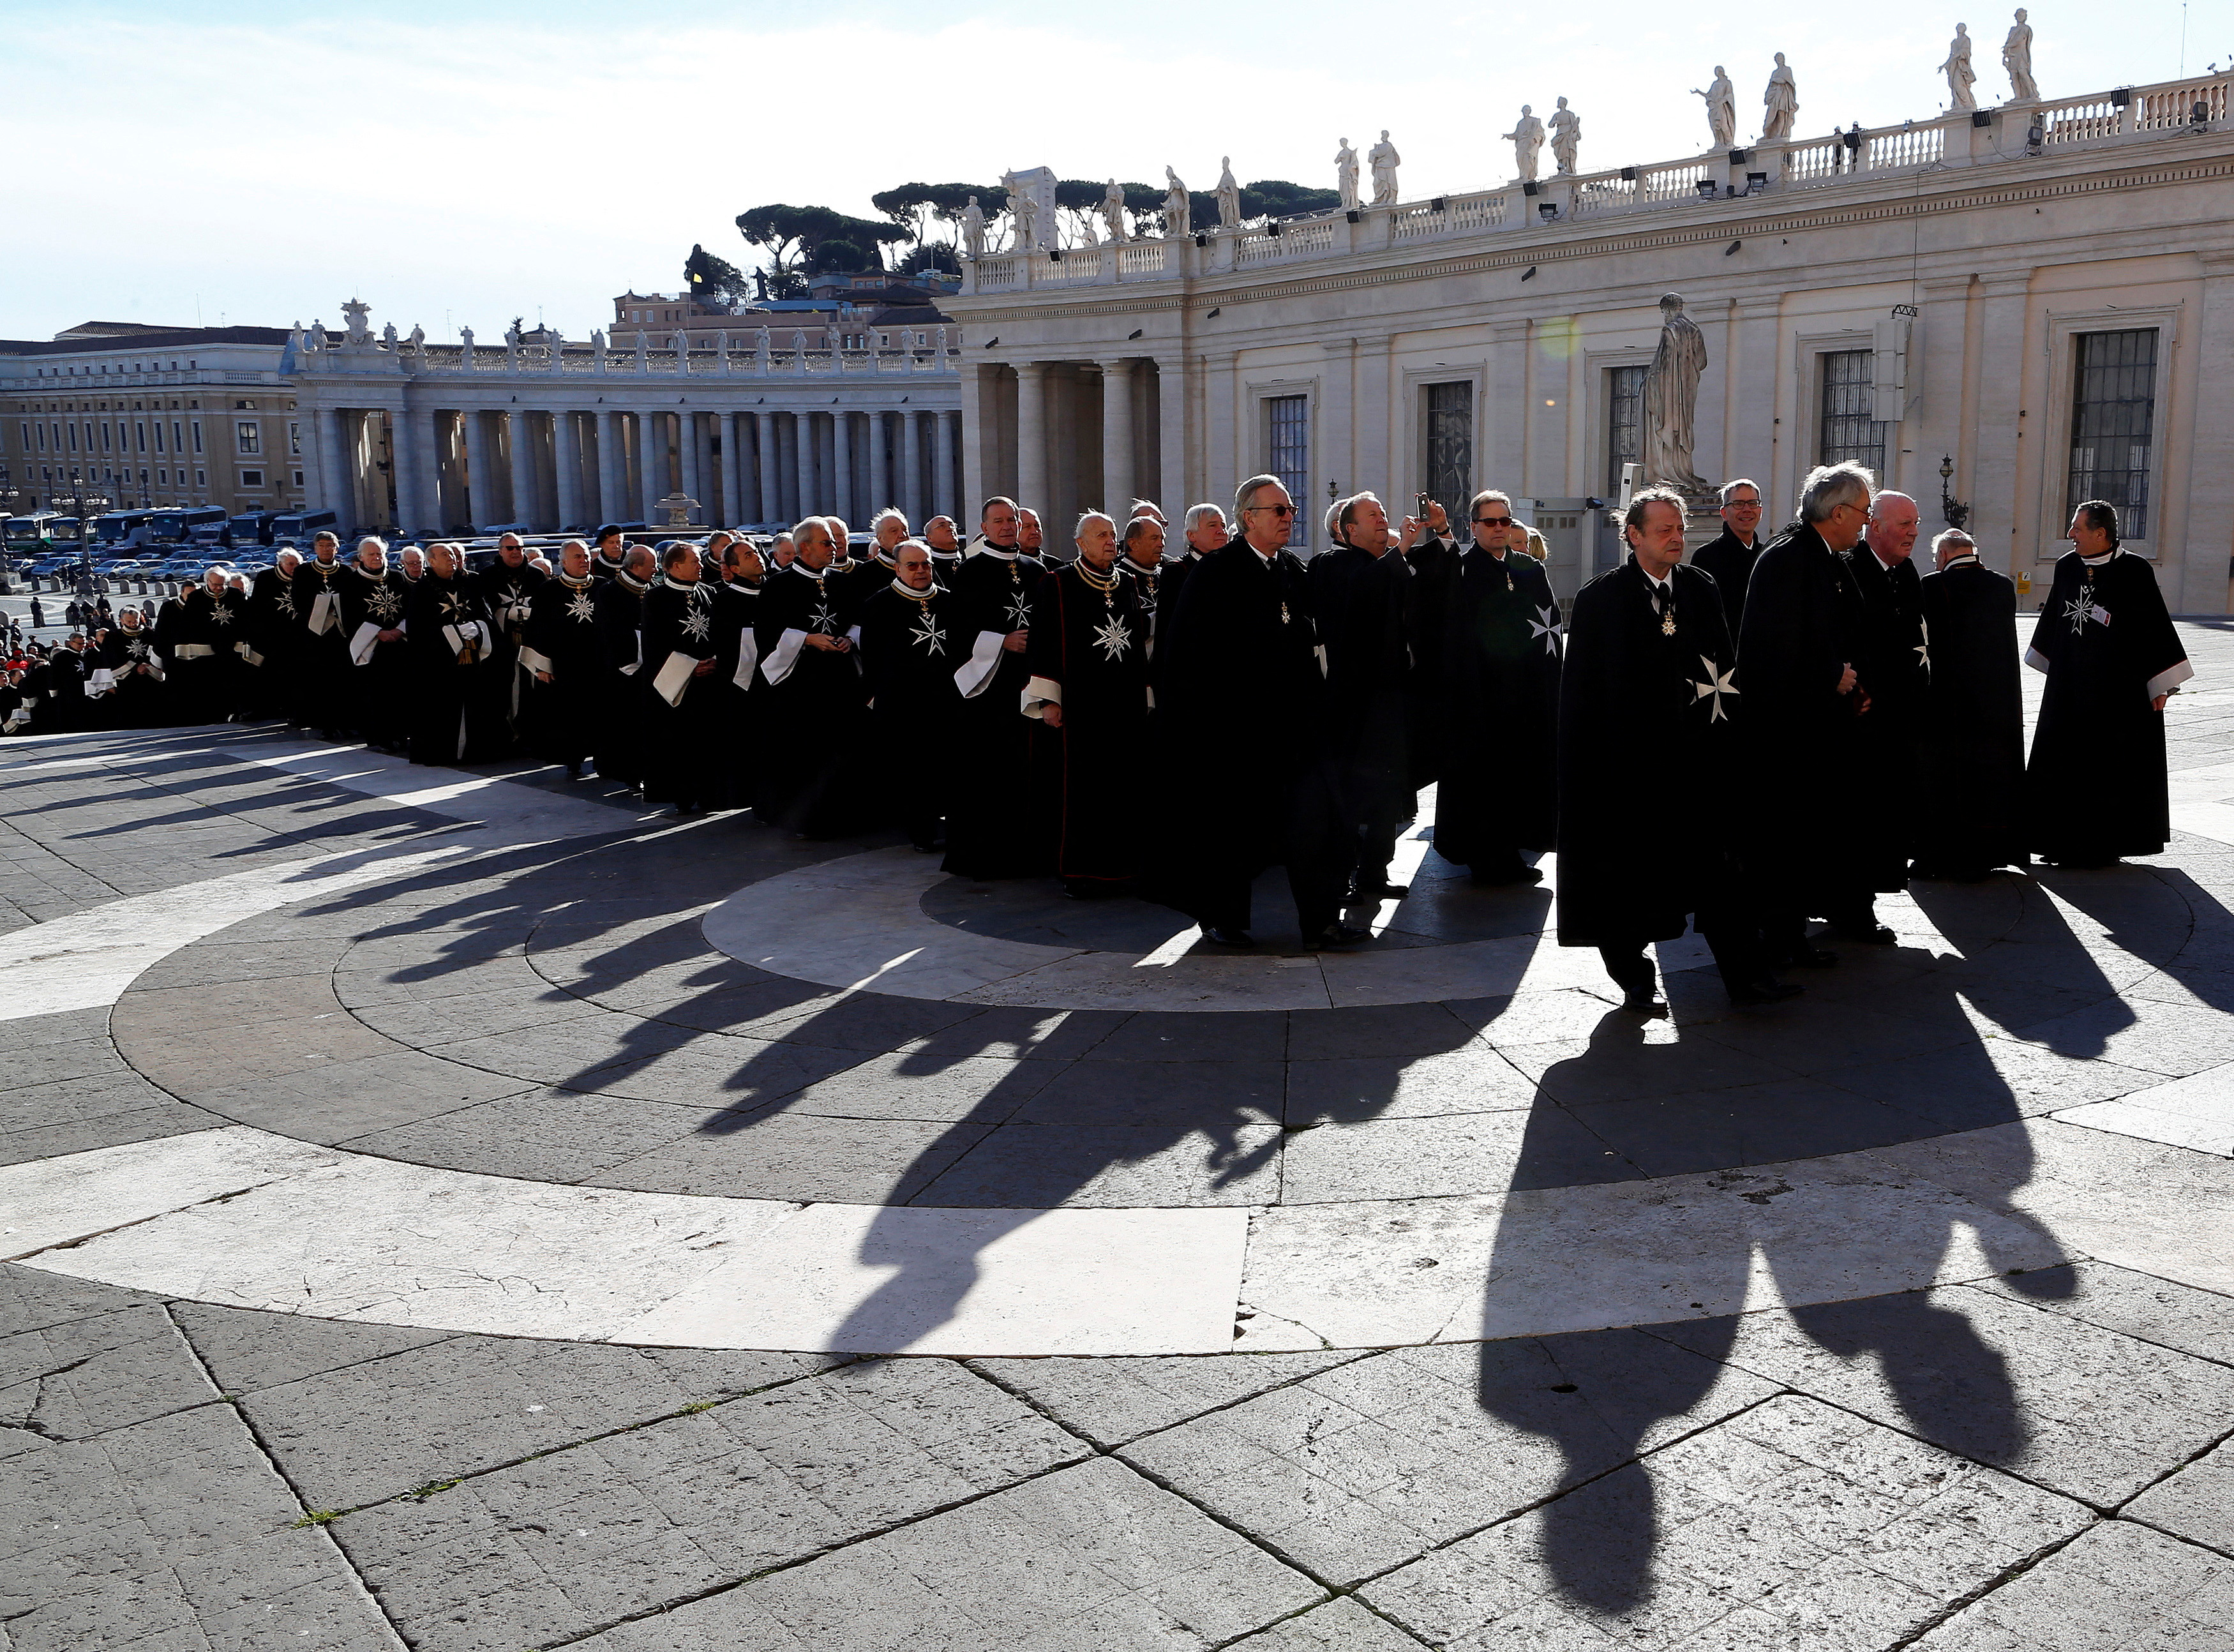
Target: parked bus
[(296, 528), (177, 526), (118, 527), (252, 527), (35, 535)]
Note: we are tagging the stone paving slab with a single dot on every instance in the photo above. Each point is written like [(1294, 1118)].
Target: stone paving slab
[(2120, 1585)]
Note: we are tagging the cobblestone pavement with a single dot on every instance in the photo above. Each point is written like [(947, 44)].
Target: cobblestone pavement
[(423, 1233)]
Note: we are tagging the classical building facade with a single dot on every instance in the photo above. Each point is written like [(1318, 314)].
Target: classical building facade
[(422, 437), (2039, 297)]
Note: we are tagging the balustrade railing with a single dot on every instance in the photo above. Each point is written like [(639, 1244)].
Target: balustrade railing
[(2078, 119)]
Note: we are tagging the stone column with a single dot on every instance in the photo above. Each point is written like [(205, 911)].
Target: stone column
[(403, 452), (1117, 438), (1031, 436), (808, 440), (612, 468), (480, 471), (733, 508), (769, 460), (2193, 570), (1171, 433), (1224, 462), (430, 476), (881, 491), (520, 428), (686, 444), (943, 497), (651, 463), (841, 461), (784, 478), (911, 488), (337, 485), (566, 459)]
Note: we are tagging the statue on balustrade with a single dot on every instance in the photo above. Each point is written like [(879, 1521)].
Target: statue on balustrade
[(388, 336), (760, 344), (1721, 109), (360, 329), (1112, 212), (316, 338), (1957, 68), (597, 341), (1178, 208), (465, 344), (512, 335), (1782, 99), (1345, 174), (417, 338), (1526, 139), (2016, 57), (973, 230), (799, 344), (1229, 196), (1566, 137), (1384, 160), (1668, 407)]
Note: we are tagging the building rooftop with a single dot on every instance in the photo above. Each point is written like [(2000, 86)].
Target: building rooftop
[(76, 341)]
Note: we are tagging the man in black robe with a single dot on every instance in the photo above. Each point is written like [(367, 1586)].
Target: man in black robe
[(1088, 656), (373, 616), (734, 742), (1360, 592), (61, 707), (564, 662), (945, 542), (2096, 789), (607, 550), (276, 631), (211, 630), (1252, 784), (1500, 666), (991, 831), (1205, 531), (446, 633), (1970, 813), (15, 714), (1880, 826), (1796, 652), (506, 589), (810, 780), (680, 656), (911, 643), (1433, 557), (135, 694), (1729, 556), (623, 711), (325, 682), (1648, 701)]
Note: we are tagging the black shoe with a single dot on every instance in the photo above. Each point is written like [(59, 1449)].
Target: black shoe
[(1229, 937), (1341, 935), (1745, 993), (1811, 958), (1642, 1000), (1383, 890), (574, 769)]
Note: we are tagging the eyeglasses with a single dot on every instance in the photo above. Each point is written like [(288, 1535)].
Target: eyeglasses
[(1276, 510), (1495, 521)]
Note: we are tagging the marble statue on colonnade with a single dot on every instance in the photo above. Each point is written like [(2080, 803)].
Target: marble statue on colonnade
[(973, 230), (1960, 75), (1178, 208), (2016, 57), (1721, 109), (417, 338), (1384, 160), (1526, 139), (1112, 214), (1667, 411), (1345, 174), (1566, 137), (1782, 99), (388, 336), (1229, 195), (466, 345)]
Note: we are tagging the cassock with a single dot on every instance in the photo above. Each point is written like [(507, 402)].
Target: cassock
[(815, 711), (446, 633), (62, 707), (1500, 668), (685, 703), (622, 699), (507, 596), (991, 829), (1245, 699), (1434, 562), (325, 680), (1089, 654), (2096, 787), (1147, 582), (1647, 748), (380, 680), (1362, 601), (561, 715), (133, 693), (1969, 817), (1730, 560), (210, 633), (1798, 635), (1879, 826), (15, 715), (734, 742), (911, 644), (275, 631), (604, 567)]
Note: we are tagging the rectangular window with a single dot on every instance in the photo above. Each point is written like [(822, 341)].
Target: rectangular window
[(159, 435), (1449, 469), (251, 479), (249, 436), (1624, 404), (23, 428), (73, 438), (1290, 444), (201, 479), (198, 436), (295, 437), (2112, 425), (1847, 433), (298, 478), (140, 435), (162, 479), (178, 438)]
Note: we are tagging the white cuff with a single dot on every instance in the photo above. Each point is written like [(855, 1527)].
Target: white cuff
[(2035, 659), (193, 651), (778, 665), (533, 660), (2170, 678), (675, 677), (362, 645), (1041, 691), (978, 671)]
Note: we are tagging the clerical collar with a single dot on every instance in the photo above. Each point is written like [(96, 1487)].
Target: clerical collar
[(684, 587), (1144, 567), (913, 595), (634, 585), (2096, 562), (987, 548), (1969, 558), (741, 589), (946, 556), (361, 569), (879, 554), (800, 567)]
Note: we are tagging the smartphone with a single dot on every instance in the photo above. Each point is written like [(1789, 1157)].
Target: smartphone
[(1420, 506)]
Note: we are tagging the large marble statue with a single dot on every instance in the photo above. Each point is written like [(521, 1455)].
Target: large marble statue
[(1023, 213), (465, 343), (598, 346), (1957, 68), (643, 351), (1782, 99), (799, 344), (1112, 212), (1229, 195), (417, 338), (973, 230), (316, 338), (2016, 57), (1721, 109), (360, 328), (1178, 208), (1668, 406), (388, 336), (1384, 160), (1566, 136), (1345, 174), (1527, 138), (760, 345)]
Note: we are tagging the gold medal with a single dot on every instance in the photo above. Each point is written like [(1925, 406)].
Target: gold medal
[(1284, 613), (1668, 625)]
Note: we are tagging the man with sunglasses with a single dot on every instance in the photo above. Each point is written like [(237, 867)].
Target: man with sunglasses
[(1729, 556), (1247, 697)]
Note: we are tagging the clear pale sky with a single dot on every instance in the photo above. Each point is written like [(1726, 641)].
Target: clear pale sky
[(462, 163)]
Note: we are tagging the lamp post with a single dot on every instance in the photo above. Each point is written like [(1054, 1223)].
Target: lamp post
[(83, 498), (10, 493), (1953, 510)]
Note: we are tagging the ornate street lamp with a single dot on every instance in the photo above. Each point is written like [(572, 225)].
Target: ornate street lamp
[(1953, 510)]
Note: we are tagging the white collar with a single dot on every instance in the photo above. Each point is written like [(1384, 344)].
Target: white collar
[(801, 568), (686, 588), (1882, 563), (983, 547), (915, 595), (742, 591), (625, 579), (2096, 562)]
